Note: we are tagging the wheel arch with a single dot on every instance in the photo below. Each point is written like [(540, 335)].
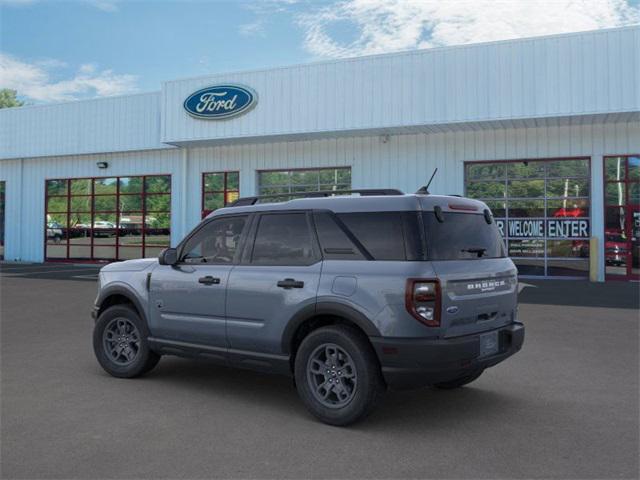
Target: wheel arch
[(119, 295), (322, 314)]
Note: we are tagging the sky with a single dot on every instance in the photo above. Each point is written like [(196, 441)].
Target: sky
[(55, 50)]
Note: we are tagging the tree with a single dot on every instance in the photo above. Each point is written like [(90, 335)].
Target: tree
[(8, 98)]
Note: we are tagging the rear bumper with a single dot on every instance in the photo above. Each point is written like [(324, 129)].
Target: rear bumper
[(413, 363)]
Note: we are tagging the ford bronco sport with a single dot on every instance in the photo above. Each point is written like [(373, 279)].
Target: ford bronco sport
[(348, 294)]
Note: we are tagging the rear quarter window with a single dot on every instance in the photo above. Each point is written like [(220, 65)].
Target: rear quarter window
[(462, 236), (385, 235)]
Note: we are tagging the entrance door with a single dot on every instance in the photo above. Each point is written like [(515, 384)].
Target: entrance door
[(622, 217)]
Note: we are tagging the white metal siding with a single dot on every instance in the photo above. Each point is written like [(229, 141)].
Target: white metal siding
[(558, 76), (404, 162), (113, 124)]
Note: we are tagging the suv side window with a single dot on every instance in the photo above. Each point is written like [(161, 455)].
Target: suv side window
[(381, 233), (283, 239), (335, 243), (215, 243)]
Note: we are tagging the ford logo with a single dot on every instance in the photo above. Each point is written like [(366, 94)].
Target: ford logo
[(220, 101)]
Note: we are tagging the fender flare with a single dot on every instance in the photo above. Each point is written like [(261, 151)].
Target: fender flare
[(124, 291), (327, 308)]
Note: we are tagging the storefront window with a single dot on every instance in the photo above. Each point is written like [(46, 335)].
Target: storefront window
[(2, 187), (622, 217), (541, 208), (218, 190), (103, 219), (275, 182)]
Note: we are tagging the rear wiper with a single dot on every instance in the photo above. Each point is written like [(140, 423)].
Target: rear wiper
[(479, 251)]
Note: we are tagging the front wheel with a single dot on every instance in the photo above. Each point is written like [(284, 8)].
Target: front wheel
[(120, 343), (460, 381), (337, 375)]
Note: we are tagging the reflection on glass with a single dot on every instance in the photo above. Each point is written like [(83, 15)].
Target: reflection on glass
[(131, 203), (129, 253), (105, 203), (213, 201), (614, 168), (615, 193), (568, 208), (525, 188), (130, 185), (486, 189), (526, 208), (57, 187), (485, 171), (80, 204), (233, 180), (498, 208), (153, 252), (81, 186), (634, 193), (568, 248), (527, 169), (286, 181), (158, 184), (80, 252), (634, 168), (213, 181), (158, 203), (57, 204), (568, 168), (105, 186), (568, 188), (56, 250)]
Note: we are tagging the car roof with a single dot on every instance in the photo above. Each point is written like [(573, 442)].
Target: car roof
[(369, 203)]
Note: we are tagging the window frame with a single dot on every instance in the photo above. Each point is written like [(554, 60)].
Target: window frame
[(204, 212), (241, 243), (247, 254), (505, 178), (92, 213), (289, 186)]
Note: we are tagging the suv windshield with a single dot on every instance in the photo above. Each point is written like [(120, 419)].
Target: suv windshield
[(462, 236)]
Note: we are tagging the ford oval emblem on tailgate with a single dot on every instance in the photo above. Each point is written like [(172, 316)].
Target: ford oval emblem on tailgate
[(453, 309)]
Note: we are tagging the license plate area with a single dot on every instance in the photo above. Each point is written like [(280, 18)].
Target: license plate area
[(489, 344)]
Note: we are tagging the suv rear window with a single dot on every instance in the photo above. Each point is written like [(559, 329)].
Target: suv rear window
[(462, 236)]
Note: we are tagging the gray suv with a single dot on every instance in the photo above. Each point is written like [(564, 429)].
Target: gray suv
[(348, 294)]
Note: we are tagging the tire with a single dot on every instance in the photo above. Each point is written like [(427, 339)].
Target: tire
[(358, 380), (132, 357), (459, 382)]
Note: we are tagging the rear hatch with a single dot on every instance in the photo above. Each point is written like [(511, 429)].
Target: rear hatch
[(478, 283)]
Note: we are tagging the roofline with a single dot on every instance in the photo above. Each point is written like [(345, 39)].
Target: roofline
[(82, 100), (404, 53)]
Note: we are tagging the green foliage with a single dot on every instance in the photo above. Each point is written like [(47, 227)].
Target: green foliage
[(8, 98)]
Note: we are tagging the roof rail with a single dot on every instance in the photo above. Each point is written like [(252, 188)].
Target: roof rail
[(246, 201)]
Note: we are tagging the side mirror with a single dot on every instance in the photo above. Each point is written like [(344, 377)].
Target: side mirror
[(169, 256)]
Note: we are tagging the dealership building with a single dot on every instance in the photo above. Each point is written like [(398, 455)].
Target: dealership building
[(545, 130)]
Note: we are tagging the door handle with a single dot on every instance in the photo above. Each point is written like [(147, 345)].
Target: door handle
[(290, 283), (209, 280)]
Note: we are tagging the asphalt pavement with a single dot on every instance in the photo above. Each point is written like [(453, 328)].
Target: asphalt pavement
[(566, 406)]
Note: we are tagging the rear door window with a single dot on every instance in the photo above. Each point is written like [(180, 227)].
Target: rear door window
[(462, 236), (283, 239)]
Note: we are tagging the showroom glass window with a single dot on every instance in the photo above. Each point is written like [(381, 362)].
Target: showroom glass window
[(622, 217), (218, 190), (104, 219), (542, 208), (274, 182), (2, 187)]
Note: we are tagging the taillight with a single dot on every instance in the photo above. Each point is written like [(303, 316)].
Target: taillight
[(422, 299)]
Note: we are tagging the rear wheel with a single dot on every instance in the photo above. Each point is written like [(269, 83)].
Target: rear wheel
[(460, 381), (120, 343), (337, 375)]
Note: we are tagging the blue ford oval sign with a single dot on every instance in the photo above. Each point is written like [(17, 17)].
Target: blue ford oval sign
[(220, 101)]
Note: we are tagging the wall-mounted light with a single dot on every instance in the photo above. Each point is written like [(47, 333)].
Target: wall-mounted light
[(102, 164), (384, 138)]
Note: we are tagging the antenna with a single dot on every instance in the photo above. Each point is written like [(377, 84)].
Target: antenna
[(425, 190)]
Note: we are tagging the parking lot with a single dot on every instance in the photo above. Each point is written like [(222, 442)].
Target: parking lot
[(565, 406)]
